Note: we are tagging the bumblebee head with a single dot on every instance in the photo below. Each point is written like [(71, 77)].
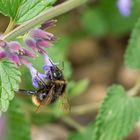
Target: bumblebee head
[(57, 73)]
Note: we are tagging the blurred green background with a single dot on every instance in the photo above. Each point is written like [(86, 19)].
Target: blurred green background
[(91, 43)]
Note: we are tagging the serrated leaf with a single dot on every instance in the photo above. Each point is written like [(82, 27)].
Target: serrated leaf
[(23, 10), (17, 123), (117, 116), (9, 81), (31, 8), (10, 7), (132, 55)]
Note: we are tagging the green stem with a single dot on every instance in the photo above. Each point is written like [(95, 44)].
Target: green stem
[(10, 27), (71, 122), (44, 16), (86, 108), (134, 90)]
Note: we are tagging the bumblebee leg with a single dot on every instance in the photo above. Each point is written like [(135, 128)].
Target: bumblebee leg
[(48, 100), (27, 92), (41, 79)]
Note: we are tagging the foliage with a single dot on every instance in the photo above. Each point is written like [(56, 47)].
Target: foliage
[(9, 82), (94, 22), (18, 125), (117, 117), (120, 107), (99, 20), (76, 88), (119, 111), (132, 58), (23, 10)]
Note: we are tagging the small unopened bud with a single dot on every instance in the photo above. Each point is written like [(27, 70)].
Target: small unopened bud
[(31, 44), (2, 54), (14, 45), (43, 43)]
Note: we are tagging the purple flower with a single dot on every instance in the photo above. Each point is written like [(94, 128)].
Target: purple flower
[(37, 45), (124, 7), (39, 34), (2, 54), (37, 77), (38, 40), (48, 63), (43, 43), (14, 52), (31, 43)]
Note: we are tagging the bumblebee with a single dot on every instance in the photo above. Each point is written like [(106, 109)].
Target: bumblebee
[(48, 92)]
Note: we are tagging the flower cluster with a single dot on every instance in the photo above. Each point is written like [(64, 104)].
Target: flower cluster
[(124, 7), (37, 41), (14, 52)]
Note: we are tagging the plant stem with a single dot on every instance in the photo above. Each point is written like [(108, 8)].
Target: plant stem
[(71, 122), (44, 16), (10, 27), (134, 90), (86, 108)]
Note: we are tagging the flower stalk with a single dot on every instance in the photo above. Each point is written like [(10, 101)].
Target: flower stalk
[(10, 27), (44, 16)]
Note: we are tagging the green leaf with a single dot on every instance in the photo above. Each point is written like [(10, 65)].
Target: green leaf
[(117, 116), (76, 88), (17, 123), (10, 7), (31, 8), (94, 22), (132, 54), (9, 82), (23, 10)]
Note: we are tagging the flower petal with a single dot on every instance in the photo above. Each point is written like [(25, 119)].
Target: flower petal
[(43, 43), (14, 45), (124, 7), (36, 76), (28, 53), (14, 58), (31, 44), (24, 60), (3, 44), (2, 54), (48, 63), (40, 34)]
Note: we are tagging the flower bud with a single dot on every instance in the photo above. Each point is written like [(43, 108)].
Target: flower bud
[(124, 7), (43, 43), (2, 54)]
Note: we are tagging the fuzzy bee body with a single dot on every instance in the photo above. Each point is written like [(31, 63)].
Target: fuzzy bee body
[(52, 90), (48, 92)]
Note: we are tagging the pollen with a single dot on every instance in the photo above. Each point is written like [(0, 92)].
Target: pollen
[(35, 101)]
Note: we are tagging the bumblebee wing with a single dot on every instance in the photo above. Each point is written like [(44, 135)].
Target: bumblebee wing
[(64, 103), (47, 100)]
